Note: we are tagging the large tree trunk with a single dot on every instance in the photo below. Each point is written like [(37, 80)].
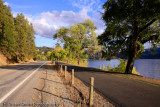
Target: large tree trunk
[(130, 63), (133, 48), (132, 56)]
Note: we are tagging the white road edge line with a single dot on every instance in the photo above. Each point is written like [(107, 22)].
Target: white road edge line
[(8, 94)]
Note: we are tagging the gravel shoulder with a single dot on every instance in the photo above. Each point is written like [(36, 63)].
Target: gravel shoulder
[(51, 90), (55, 89)]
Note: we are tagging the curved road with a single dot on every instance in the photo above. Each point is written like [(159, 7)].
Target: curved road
[(17, 83)]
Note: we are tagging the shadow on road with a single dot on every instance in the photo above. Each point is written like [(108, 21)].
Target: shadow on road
[(42, 91), (25, 67)]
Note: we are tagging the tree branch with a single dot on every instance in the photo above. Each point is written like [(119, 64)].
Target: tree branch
[(150, 38), (147, 25)]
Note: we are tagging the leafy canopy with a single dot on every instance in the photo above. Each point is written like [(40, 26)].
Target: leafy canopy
[(76, 38), (123, 19)]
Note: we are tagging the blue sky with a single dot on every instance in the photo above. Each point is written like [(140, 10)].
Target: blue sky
[(49, 15)]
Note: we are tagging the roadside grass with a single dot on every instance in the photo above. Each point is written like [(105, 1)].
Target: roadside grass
[(120, 68)]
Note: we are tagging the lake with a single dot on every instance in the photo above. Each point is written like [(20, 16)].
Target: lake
[(146, 67)]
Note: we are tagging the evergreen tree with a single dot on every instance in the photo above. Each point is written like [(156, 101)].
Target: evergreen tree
[(16, 35), (21, 37), (7, 39), (30, 44)]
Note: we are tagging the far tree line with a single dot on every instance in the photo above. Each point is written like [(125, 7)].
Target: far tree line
[(16, 36)]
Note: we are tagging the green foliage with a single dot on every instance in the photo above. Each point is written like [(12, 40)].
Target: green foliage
[(105, 68), (44, 53), (84, 62), (129, 25), (49, 55), (122, 66), (109, 66), (76, 39), (16, 35), (43, 50), (7, 40), (58, 54)]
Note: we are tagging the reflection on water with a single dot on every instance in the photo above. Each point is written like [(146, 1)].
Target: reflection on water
[(146, 67)]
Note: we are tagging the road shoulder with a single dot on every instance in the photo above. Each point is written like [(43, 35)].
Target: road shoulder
[(54, 89)]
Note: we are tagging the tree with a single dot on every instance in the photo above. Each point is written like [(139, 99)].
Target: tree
[(25, 47), (2, 14), (76, 38), (57, 54), (64, 37), (129, 26), (49, 55), (7, 40), (77, 31), (16, 35), (30, 48)]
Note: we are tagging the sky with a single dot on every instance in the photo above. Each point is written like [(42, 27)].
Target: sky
[(49, 15)]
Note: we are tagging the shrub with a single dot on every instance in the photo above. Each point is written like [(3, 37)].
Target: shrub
[(122, 66)]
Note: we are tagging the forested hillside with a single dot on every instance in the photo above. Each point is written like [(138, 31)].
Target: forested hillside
[(148, 54), (16, 36), (43, 50)]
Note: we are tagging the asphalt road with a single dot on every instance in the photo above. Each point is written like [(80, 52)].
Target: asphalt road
[(17, 83), (121, 91)]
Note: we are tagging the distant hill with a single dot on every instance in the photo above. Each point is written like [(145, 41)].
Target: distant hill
[(43, 50), (147, 54)]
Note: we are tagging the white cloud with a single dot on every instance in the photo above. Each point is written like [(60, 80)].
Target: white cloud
[(47, 23), (42, 28), (66, 17), (99, 31), (6, 3)]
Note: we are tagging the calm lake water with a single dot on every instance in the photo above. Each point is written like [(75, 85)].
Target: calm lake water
[(146, 67)]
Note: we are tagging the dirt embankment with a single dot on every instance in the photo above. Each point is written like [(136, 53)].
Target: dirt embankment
[(3, 60)]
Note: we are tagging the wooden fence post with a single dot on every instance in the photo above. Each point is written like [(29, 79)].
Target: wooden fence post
[(65, 71), (61, 68), (91, 91), (72, 76), (99, 67), (110, 66), (105, 68)]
